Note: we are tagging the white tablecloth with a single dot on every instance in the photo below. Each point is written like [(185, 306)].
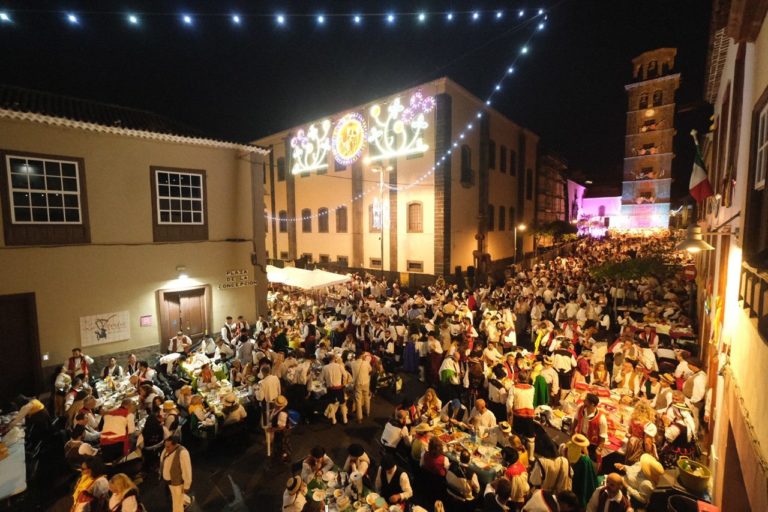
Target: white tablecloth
[(13, 470)]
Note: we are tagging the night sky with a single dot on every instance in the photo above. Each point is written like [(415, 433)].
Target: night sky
[(242, 83)]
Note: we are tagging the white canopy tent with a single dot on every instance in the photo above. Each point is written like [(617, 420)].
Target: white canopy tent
[(304, 279)]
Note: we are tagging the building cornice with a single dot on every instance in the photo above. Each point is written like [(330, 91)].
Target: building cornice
[(126, 132), (635, 85)]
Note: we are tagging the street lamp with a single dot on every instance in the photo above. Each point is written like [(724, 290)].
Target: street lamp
[(520, 227), (380, 169), (694, 238)]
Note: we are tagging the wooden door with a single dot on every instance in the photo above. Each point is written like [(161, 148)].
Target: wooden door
[(21, 369), (186, 310)]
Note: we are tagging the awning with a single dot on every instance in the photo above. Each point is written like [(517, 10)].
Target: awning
[(304, 279)]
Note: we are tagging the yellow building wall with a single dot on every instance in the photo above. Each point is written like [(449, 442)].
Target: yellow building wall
[(123, 268)]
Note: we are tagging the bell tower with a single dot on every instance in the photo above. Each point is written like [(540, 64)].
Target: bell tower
[(648, 155)]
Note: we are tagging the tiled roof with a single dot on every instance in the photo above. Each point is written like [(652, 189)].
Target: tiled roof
[(55, 109)]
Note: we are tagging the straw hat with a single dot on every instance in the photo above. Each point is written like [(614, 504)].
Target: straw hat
[(505, 427), (650, 429), (281, 401), (169, 405), (422, 428), (651, 467), (185, 390), (230, 399), (294, 485), (548, 360), (576, 447)]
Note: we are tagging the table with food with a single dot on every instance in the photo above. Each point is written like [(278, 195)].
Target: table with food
[(344, 492), (13, 469)]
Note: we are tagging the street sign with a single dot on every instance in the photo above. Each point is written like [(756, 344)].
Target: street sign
[(689, 271)]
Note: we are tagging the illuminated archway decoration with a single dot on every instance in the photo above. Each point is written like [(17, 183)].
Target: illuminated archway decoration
[(309, 150), (399, 131), (348, 140)]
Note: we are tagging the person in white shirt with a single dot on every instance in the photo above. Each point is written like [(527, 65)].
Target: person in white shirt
[(316, 464), (361, 382), (392, 483), (181, 343), (481, 418), (335, 377), (228, 330), (232, 410), (224, 351), (176, 471), (357, 460), (294, 496), (396, 431)]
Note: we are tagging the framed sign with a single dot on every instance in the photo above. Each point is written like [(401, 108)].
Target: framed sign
[(104, 328)]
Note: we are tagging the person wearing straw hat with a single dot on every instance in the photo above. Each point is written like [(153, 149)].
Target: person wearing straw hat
[(279, 428), (294, 496), (233, 410), (641, 478), (420, 435), (584, 477)]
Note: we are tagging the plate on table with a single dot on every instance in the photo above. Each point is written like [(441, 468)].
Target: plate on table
[(338, 493), (329, 476), (371, 498), (318, 495)]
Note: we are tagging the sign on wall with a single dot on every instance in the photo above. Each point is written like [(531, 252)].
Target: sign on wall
[(104, 328), (237, 279)]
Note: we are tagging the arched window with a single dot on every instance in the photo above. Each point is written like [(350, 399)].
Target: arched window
[(512, 218), (643, 101), (491, 215), (491, 154), (502, 218), (658, 97), (466, 165), (281, 169), (306, 220), (341, 219), (415, 217), (283, 216), (653, 69), (322, 220)]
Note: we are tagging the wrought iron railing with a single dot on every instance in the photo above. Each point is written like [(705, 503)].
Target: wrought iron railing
[(753, 290)]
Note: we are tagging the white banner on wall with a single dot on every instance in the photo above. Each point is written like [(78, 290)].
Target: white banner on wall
[(104, 328)]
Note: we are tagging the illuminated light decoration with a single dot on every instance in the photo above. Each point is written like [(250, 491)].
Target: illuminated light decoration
[(498, 87), (449, 16), (4, 17), (399, 133), (541, 26), (133, 19), (422, 17), (310, 149), (461, 136), (320, 19), (499, 14), (488, 102), (520, 13), (357, 19), (348, 139), (72, 19), (510, 70), (390, 18), (479, 115), (187, 19), (236, 19), (280, 19), (541, 11), (475, 15), (524, 50)]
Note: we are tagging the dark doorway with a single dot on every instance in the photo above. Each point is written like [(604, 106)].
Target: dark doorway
[(186, 310), (735, 497), (21, 369)]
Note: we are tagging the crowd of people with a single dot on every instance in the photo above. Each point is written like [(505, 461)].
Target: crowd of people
[(498, 359)]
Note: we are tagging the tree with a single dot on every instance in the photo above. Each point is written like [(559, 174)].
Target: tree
[(634, 268)]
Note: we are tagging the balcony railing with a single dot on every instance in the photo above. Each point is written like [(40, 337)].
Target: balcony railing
[(753, 290)]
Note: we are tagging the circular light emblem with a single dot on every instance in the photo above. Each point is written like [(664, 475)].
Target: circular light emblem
[(348, 138)]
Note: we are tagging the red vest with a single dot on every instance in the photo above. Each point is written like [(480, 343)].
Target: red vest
[(83, 366), (435, 465), (593, 427)]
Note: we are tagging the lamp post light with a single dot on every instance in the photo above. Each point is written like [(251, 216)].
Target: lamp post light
[(380, 170), (519, 227)]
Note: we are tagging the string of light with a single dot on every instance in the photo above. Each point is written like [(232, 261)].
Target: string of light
[(540, 19), (283, 19)]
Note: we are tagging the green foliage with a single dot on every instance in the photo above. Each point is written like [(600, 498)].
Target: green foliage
[(632, 269)]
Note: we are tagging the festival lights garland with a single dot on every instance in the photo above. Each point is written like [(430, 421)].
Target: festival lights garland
[(279, 19), (470, 126)]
